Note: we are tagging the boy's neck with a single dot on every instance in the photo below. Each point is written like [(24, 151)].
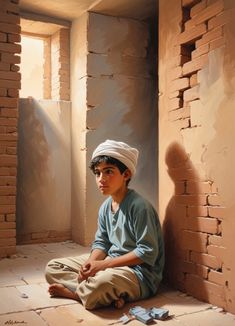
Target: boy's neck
[(118, 197)]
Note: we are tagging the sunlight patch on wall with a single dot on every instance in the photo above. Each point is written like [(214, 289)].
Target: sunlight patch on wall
[(31, 67)]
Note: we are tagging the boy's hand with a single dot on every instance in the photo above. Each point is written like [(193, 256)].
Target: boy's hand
[(90, 268)]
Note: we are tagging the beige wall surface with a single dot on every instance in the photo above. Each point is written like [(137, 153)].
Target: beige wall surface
[(44, 171), (119, 105), (199, 157)]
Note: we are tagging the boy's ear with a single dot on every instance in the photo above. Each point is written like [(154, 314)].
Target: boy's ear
[(127, 174)]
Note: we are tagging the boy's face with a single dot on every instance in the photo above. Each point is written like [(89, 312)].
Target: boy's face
[(109, 179)]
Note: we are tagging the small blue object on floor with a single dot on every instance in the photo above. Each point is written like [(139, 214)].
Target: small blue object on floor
[(159, 313), (146, 316), (141, 314)]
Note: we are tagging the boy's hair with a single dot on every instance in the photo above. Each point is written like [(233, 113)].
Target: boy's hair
[(108, 160)]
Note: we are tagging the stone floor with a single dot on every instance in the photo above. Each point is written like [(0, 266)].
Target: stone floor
[(24, 299)]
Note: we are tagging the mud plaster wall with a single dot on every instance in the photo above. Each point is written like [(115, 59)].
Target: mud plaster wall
[(44, 171), (118, 104), (196, 179)]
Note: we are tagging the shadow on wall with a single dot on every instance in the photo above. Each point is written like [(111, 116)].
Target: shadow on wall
[(184, 245)]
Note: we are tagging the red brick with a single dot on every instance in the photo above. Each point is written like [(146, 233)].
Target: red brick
[(205, 259), (221, 19), (216, 277), (195, 65), (200, 51), (8, 160), (7, 225), (175, 103), (6, 171), (187, 267), (7, 181), (9, 18), (10, 28), (9, 47), (8, 102), (8, 138), (189, 3), (10, 217), (215, 240), (179, 188), (9, 6), (191, 94), (202, 224), (5, 209), (10, 75), (195, 211), (4, 66), (198, 187), (179, 114), (218, 43), (10, 58), (193, 80), (205, 290), (9, 233), (175, 73), (7, 190), (219, 212), (197, 8), (175, 94), (10, 83), (3, 92), (3, 37), (217, 251), (7, 251), (179, 84), (191, 35), (14, 38), (11, 92), (8, 121), (7, 200), (210, 36), (195, 241), (11, 150), (182, 124), (207, 13), (15, 68), (12, 112), (202, 271), (192, 200), (7, 242), (214, 200)]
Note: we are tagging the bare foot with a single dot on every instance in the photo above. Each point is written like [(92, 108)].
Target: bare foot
[(59, 290), (119, 303)]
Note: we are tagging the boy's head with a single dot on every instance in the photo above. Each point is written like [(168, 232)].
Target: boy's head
[(116, 153)]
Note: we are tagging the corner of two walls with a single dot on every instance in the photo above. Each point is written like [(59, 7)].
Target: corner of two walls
[(195, 113), (112, 98)]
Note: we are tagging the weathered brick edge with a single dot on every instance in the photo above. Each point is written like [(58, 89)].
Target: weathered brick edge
[(9, 94), (200, 266)]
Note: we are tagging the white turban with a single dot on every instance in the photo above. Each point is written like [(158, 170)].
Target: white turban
[(119, 150)]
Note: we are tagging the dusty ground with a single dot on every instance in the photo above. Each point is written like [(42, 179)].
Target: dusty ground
[(24, 299)]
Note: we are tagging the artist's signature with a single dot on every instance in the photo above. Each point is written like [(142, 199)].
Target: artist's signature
[(14, 322)]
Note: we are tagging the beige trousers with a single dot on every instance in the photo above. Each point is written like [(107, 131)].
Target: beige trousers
[(100, 290)]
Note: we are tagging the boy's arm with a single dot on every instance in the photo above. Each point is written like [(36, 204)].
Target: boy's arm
[(94, 266)]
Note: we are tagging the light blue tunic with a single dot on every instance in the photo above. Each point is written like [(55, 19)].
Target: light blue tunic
[(134, 227)]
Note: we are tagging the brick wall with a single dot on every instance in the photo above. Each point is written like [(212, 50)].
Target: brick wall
[(60, 76), (9, 93), (194, 219)]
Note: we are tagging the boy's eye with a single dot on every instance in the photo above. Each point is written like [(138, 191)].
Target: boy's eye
[(109, 171), (97, 173)]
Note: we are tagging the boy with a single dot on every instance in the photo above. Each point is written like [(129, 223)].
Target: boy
[(127, 255)]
